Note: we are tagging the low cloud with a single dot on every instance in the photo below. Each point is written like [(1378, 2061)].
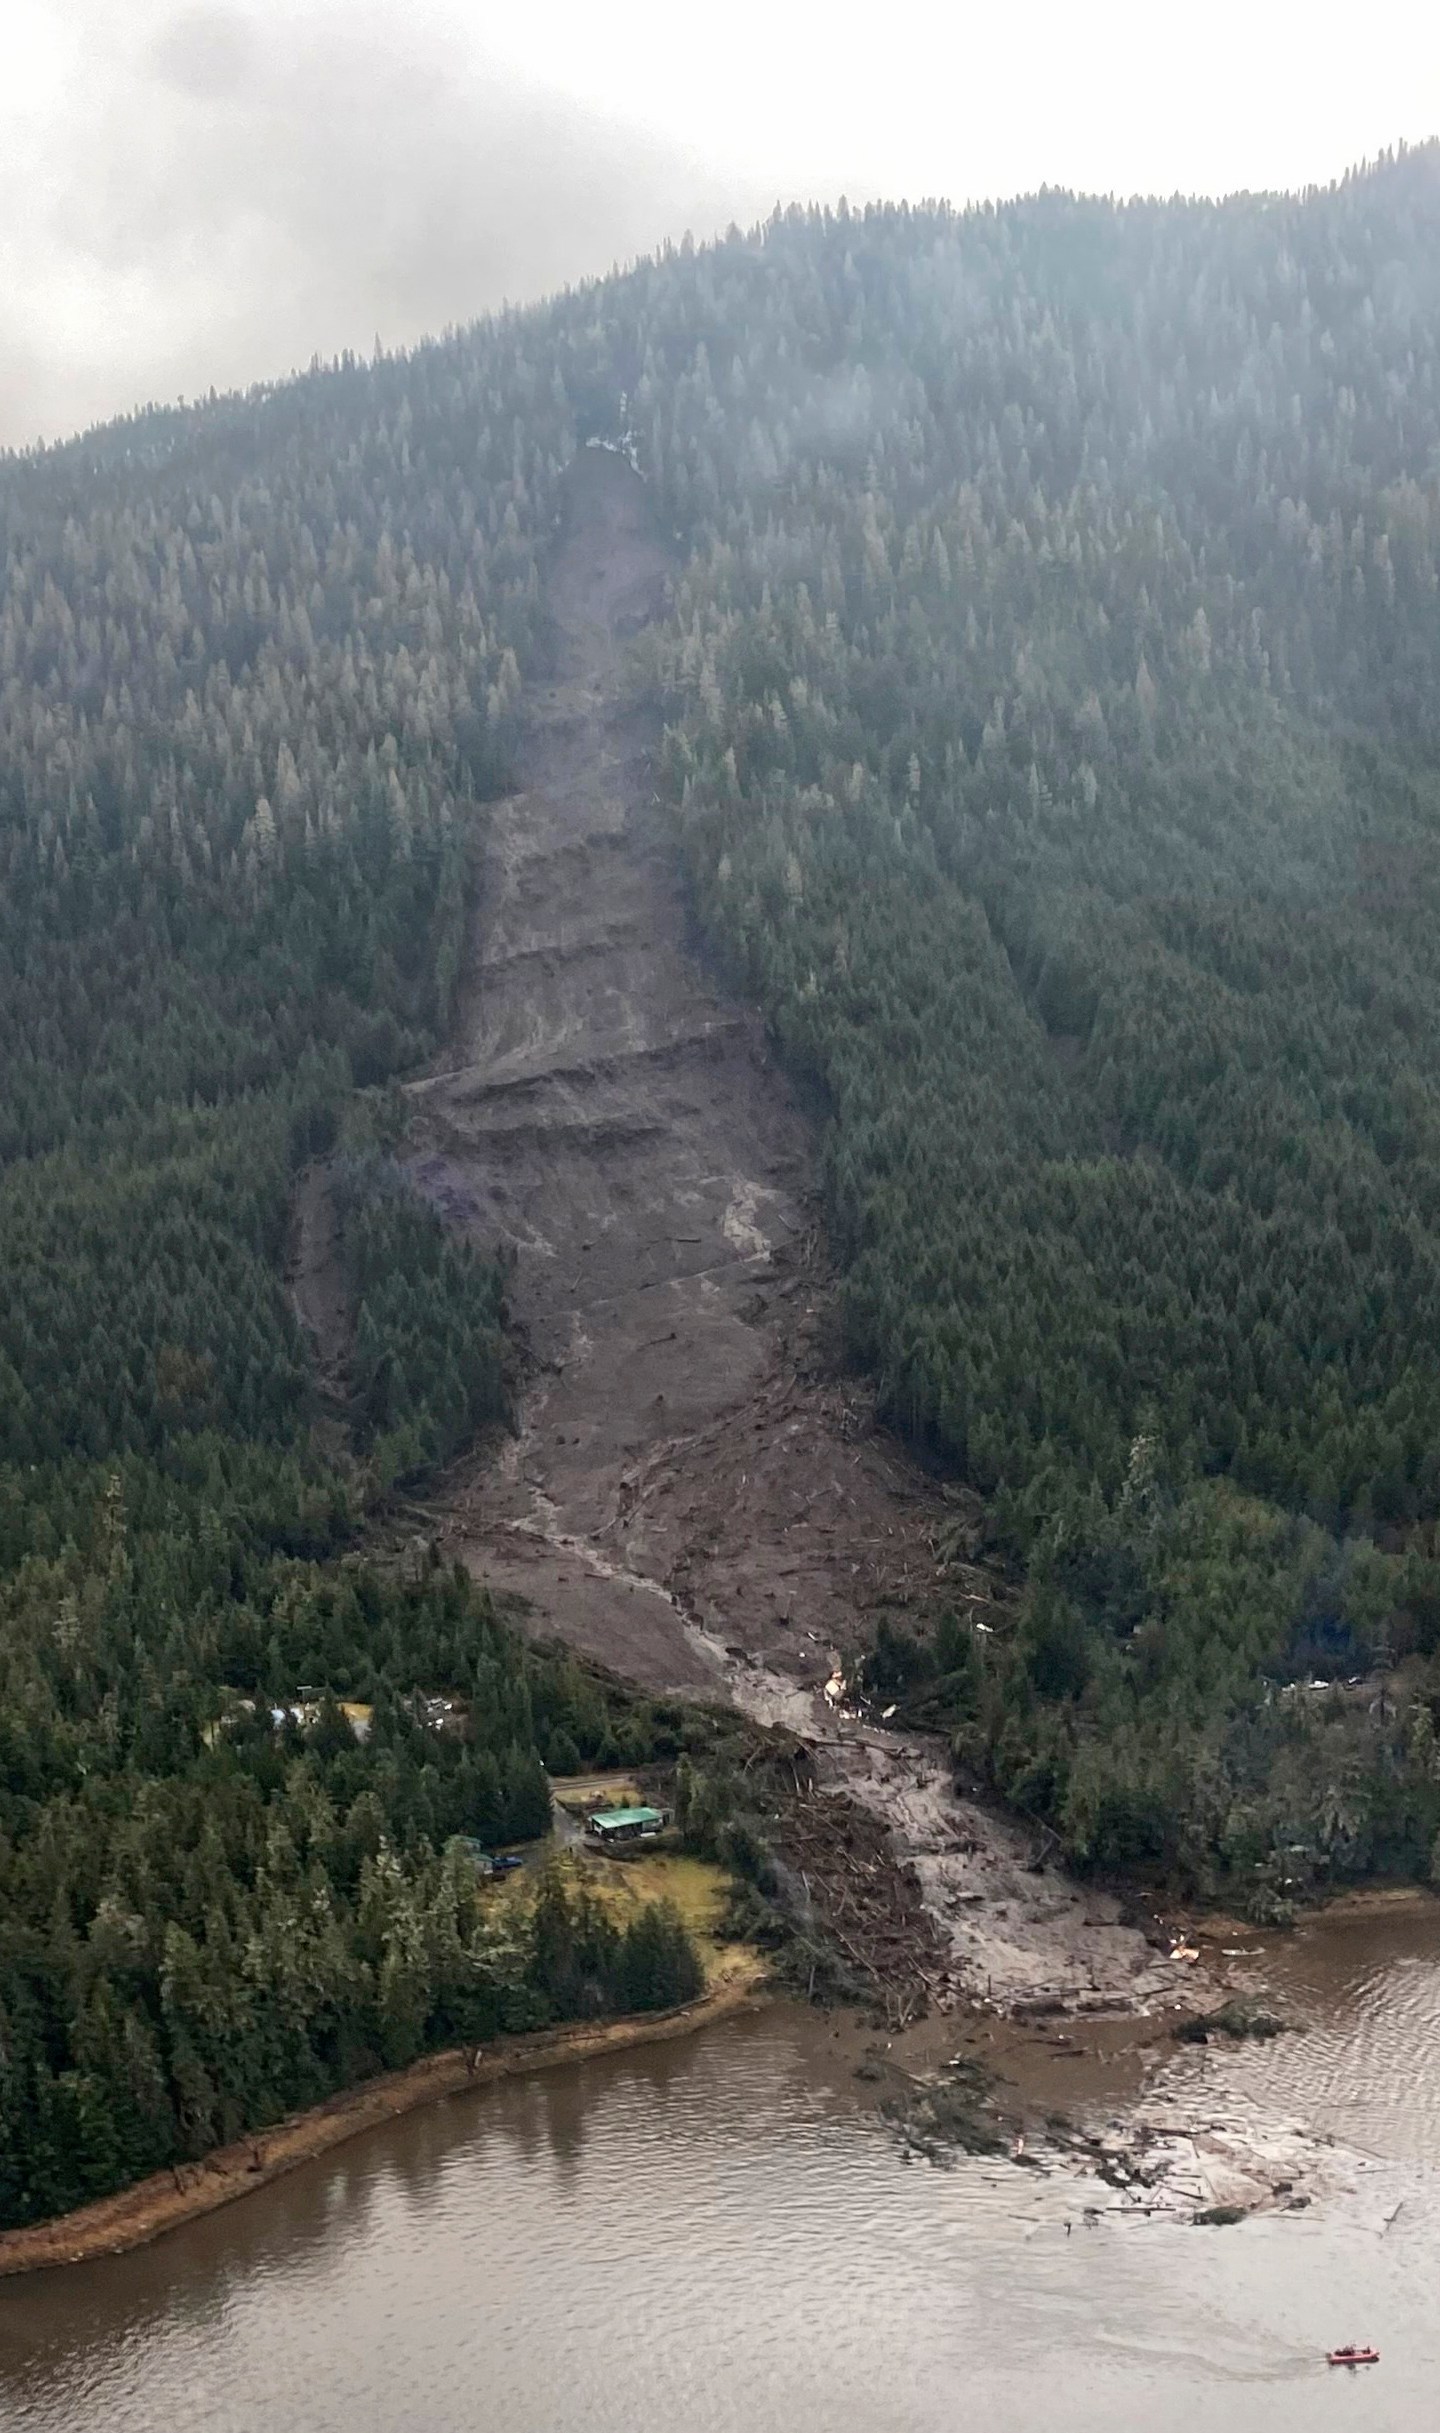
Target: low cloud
[(217, 193)]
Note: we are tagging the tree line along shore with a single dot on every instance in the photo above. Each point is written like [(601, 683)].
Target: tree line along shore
[(147, 2209)]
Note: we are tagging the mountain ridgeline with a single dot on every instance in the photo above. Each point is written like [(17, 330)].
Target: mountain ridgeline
[(1052, 693)]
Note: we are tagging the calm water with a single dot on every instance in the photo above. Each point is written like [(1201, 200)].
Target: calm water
[(712, 2235)]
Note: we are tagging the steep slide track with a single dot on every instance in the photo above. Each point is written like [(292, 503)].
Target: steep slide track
[(693, 1497)]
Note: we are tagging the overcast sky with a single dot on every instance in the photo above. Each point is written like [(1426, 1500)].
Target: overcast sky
[(208, 192)]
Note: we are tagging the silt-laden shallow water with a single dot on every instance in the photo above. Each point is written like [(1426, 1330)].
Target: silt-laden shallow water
[(715, 2235)]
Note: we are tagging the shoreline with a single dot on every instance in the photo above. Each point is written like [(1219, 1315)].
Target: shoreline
[(168, 2199)]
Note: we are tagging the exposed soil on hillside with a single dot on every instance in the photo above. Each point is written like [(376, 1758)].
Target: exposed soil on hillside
[(693, 1497), (618, 1122)]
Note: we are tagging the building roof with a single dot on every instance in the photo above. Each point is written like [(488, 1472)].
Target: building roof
[(611, 1819)]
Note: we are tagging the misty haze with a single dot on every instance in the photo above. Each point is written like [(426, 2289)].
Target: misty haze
[(227, 194)]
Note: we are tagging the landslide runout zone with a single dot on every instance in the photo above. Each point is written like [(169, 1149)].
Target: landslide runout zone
[(691, 1497)]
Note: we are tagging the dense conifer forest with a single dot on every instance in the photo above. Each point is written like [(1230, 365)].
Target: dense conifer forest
[(1052, 685), (257, 678)]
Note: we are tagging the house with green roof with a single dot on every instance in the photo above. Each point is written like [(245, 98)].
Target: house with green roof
[(609, 1826)]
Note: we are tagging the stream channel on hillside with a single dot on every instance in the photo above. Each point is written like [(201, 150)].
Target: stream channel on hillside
[(720, 2233)]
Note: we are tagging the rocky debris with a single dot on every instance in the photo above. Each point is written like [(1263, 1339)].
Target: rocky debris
[(1013, 1932), (1168, 2164), (1161, 2164), (316, 1281)]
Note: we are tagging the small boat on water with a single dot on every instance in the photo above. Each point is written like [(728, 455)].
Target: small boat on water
[(1351, 2355)]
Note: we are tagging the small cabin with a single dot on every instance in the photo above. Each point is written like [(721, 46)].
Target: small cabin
[(613, 1826)]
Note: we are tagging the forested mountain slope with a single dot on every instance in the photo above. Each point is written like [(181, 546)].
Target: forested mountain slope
[(245, 736), (1053, 677)]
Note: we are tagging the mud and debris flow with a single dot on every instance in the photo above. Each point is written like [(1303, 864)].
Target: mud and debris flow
[(693, 1496)]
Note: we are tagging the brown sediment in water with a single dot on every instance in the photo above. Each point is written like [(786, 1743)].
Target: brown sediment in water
[(134, 2216), (749, 2160)]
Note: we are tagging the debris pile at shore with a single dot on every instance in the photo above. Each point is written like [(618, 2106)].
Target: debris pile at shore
[(1169, 2165), (866, 1902), (1211, 2172)]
